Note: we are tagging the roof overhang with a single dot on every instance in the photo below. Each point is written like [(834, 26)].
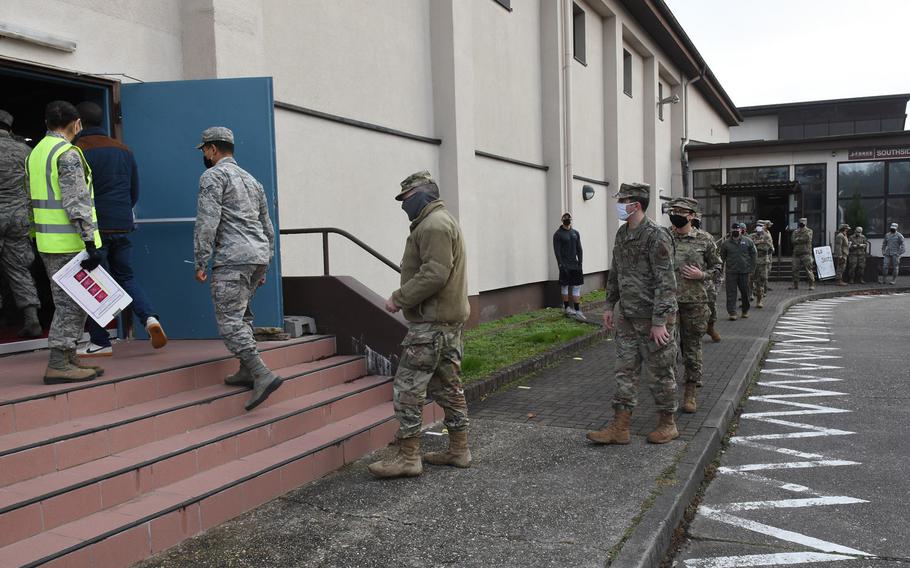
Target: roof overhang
[(764, 188), (827, 143)]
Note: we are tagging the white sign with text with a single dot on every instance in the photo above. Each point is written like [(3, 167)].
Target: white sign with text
[(824, 262)]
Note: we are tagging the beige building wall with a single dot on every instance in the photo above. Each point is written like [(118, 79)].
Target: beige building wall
[(704, 123), (755, 128)]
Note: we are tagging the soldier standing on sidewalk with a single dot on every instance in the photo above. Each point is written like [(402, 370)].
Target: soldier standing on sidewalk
[(892, 250), (434, 297), (764, 247), (738, 253), (234, 230), (856, 261), (711, 288), (841, 251), (697, 262), (801, 239), (641, 305)]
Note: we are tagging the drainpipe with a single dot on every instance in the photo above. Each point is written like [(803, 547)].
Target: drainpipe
[(567, 99), (683, 155)]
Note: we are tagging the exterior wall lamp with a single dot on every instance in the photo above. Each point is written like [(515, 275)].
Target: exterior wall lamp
[(587, 192)]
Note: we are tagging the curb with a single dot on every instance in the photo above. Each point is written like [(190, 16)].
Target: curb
[(651, 539)]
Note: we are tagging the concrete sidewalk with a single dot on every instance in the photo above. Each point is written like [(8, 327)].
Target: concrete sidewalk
[(538, 495)]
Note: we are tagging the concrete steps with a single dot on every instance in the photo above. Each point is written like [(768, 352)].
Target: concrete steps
[(136, 462)]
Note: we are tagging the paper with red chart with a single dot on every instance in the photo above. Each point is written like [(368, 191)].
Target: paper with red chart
[(95, 291)]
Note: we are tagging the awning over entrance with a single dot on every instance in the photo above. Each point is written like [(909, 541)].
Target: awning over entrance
[(755, 188)]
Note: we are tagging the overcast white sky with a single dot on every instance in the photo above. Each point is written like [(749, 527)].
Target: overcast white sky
[(779, 51)]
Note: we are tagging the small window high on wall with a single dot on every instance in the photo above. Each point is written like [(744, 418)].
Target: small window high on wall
[(627, 72), (578, 33)]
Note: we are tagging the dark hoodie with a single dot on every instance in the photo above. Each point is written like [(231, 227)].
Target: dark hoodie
[(115, 178)]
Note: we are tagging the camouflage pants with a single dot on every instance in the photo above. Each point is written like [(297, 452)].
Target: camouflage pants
[(891, 262), (69, 319), (856, 267), (803, 261), (693, 323), (840, 265), (760, 279), (712, 302), (16, 256), (233, 288), (633, 346), (430, 365)]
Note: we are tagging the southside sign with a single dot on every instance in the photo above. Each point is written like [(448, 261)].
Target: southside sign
[(883, 153)]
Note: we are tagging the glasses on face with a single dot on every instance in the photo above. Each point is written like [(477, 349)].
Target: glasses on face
[(682, 212)]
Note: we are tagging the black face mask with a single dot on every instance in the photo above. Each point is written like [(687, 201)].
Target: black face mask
[(414, 205), (679, 221), (893, 230), (801, 225), (208, 163), (735, 234)]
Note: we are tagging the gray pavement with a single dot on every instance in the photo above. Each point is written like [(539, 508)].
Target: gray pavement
[(843, 499), (538, 494)]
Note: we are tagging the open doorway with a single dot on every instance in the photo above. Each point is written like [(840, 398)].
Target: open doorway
[(775, 208), (26, 92)]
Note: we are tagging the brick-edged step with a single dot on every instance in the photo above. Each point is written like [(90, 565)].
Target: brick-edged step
[(25, 407), (129, 532), (40, 451), (42, 503)]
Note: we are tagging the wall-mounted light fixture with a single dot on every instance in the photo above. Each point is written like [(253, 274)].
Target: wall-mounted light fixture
[(37, 37), (671, 100), (587, 192)]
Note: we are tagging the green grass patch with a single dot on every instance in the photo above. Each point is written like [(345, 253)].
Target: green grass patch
[(498, 344), (594, 296)]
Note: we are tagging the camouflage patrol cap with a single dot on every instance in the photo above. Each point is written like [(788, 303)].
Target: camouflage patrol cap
[(216, 134), (843, 226), (683, 203), (803, 220), (893, 225), (633, 190), (6, 118), (764, 222), (417, 179)]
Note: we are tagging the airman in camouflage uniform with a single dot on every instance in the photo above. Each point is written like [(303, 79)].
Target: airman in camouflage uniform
[(641, 305), (764, 246), (16, 255), (711, 289), (841, 251), (892, 250), (801, 239), (234, 230), (697, 262), (856, 260), (434, 298)]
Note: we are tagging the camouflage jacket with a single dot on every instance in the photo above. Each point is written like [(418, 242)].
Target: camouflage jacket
[(434, 279), (232, 218), (642, 279), (738, 255), (764, 247), (841, 245), (696, 248), (13, 193), (801, 239), (858, 244), (893, 243)]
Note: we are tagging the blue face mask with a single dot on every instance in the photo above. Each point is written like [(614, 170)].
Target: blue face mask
[(621, 211), (414, 205)]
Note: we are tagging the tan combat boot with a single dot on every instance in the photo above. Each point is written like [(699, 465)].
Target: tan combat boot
[(74, 359), (689, 405), (458, 454), (405, 463), (761, 301), (715, 337), (61, 371), (812, 285), (617, 432), (665, 431)]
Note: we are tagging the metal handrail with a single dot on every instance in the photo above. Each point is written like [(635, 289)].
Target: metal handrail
[(324, 231)]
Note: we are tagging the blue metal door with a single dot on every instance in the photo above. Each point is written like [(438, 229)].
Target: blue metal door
[(162, 123)]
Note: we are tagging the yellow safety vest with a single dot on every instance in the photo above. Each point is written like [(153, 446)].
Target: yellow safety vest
[(54, 233)]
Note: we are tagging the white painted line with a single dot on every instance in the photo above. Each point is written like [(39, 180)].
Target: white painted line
[(786, 465), (779, 559), (790, 503)]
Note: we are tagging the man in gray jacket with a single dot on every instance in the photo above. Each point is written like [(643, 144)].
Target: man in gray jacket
[(892, 250), (738, 253)]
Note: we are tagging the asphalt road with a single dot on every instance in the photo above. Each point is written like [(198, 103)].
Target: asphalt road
[(818, 473)]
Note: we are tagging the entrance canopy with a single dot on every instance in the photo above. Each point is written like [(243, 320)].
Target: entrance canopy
[(763, 187)]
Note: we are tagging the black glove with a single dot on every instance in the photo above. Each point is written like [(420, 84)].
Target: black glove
[(94, 257)]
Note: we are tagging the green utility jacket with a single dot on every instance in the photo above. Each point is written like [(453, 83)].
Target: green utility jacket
[(738, 255), (434, 282)]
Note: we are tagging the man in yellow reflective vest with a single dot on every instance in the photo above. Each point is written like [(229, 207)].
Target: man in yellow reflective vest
[(59, 183)]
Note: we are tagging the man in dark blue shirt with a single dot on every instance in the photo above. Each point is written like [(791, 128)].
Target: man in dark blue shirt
[(567, 248), (116, 182)]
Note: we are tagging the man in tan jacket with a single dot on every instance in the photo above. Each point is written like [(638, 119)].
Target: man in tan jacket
[(434, 297)]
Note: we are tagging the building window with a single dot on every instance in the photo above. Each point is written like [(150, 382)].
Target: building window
[(578, 33), (660, 97), (873, 195), (507, 4), (627, 72), (812, 180), (709, 200), (758, 175)]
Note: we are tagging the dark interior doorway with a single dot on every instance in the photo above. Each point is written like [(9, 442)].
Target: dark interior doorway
[(26, 92), (775, 209)]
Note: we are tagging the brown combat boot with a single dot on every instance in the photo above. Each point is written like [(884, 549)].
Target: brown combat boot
[(617, 432), (61, 371), (405, 463), (689, 405), (715, 337), (665, 431), (458, 454), (74, 359)]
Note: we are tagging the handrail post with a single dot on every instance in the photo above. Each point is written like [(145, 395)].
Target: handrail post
[(325, 253)]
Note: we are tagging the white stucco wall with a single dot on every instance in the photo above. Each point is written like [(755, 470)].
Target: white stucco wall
[(705, 125), (755, 128), (139, 38), (666, 151), (588, 105), (631, 123)]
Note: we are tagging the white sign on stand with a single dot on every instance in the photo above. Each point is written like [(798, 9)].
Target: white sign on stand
[(95, 291), (824, 261)]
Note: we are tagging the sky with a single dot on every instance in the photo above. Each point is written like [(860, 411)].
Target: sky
[(780, 51)]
